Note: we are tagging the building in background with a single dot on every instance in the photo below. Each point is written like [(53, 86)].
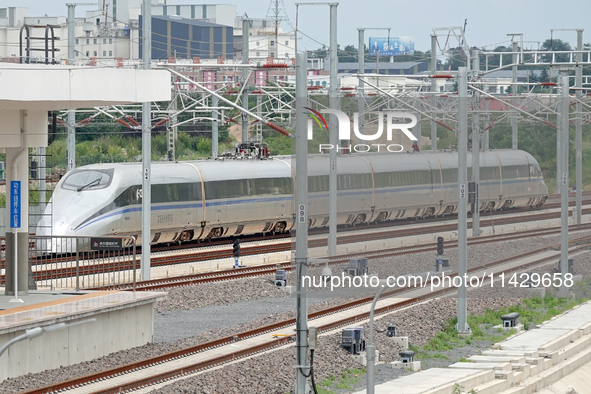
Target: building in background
[(263, 42), (112, 33), (183, 38)]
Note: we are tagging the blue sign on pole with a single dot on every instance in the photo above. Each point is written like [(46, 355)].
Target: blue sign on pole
[(15, 204), (391, 46)]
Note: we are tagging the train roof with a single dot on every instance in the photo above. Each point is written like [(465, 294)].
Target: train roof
[(280, 166)]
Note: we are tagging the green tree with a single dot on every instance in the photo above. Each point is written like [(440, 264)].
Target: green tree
[(554, 44)]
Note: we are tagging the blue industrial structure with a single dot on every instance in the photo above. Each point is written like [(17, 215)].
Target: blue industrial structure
[(184, 38)]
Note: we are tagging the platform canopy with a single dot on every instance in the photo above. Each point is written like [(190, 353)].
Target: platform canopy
[(40, 88)]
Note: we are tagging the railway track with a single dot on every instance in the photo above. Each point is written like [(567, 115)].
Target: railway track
[(199, 358), (269, 269), (165, 259)]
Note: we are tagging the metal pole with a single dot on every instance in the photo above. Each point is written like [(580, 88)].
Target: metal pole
[(361, 70), (559, 169), (578, 129), (214, 128), (487, 123), (476, 150), (259, 126), (71, 122), (433, 91), (245, 26), (172, 131), (301, 255), (146, 145), (378, 67), (333, 130), (514, 93), (42, 175), (416, 131), (78, 265), (563, 131), (462, 325), (370, 351)]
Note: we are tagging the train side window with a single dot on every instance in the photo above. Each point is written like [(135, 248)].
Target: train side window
[(381, 179)]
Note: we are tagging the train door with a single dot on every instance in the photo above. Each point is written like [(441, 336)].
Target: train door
[(530, 171), (430, 180)]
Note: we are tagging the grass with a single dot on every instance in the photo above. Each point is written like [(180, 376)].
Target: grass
[(347, 381), (532, 311)]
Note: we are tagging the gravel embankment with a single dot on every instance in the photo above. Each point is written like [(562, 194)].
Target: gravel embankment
[(274, 373)]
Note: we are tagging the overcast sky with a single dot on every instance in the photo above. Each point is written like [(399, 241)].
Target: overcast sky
[(488, 21)]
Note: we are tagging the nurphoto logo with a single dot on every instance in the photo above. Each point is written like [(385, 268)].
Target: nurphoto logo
[(392, 123)]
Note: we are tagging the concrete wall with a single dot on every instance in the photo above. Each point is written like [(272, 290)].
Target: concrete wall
[(113, 331)]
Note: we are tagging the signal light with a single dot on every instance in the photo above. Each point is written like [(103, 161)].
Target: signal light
[(440, 245), (236, 251)]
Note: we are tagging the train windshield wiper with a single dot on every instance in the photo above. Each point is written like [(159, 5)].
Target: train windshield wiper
[(96, 181)]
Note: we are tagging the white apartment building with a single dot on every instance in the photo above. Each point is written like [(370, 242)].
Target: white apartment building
[(94, 38), (262, 42)]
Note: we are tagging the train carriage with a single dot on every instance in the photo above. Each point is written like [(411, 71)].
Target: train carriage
[(204, 199)]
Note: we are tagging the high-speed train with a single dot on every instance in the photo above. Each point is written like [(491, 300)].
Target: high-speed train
[(205, 199)]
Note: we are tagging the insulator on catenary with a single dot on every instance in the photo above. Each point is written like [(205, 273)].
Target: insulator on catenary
[(279, 129)]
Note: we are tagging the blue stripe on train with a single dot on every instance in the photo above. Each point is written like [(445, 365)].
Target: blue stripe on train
[(277, 199)]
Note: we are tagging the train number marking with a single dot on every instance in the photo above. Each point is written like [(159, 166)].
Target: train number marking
[(462, 190), (165, 219), (302, 213)]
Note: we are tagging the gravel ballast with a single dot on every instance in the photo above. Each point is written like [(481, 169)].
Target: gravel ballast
[(219, 310)]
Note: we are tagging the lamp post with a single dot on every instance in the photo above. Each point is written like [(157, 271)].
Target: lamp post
[(370, 351)]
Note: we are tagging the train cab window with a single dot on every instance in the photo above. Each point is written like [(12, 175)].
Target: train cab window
[(523, 171), (80, 180)]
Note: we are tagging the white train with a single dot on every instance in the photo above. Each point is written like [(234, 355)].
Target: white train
[(204, 199)]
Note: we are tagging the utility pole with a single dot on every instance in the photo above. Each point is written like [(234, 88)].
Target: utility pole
[(214, 128), (476, 149), (361, 70), (487, 123), (563, 134), (301, 255), (462, 325), (245, 50), (333, 134), (172, 130), (578, 128), (146, 145), (514, 93), (71, 122), (433, 91)]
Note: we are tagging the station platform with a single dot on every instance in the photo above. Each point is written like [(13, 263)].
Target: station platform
[(554, 358), (123, 320)]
